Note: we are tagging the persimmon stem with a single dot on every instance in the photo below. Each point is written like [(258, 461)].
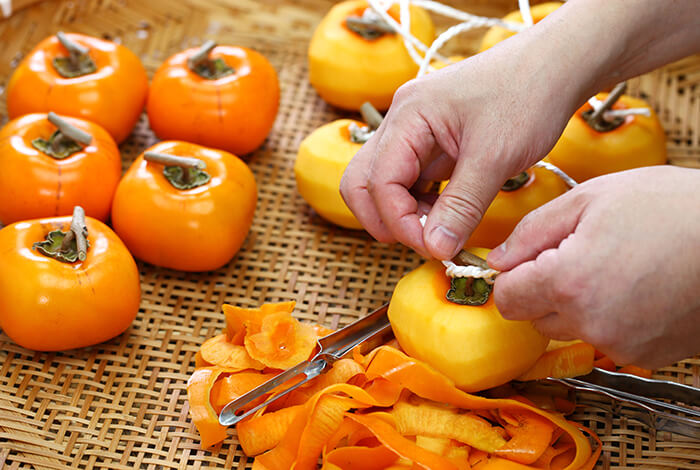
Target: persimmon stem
[(185, 179), (370, 25), (201, 55), (371, 116), (610, 100), (78, 230), (69, 130), (466, 258), (74, 49), (174, 160)]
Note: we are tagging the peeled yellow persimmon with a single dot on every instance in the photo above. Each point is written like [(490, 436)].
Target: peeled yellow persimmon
[(347, 69), (497, 34), (472, 345), (319, 166), (509, 207), (584, 153)]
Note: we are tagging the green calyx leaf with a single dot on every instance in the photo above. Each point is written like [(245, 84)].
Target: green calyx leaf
[(186, 178), (212, 69), (469, 291), (516, 182), (53, 247), (71, 68), (58, 146)]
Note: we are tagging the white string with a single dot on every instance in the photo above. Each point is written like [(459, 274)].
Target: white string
[(611, 114), (6, 8), (488, 275), (570, 182), (454, 270), (413, 44), (525, 12)]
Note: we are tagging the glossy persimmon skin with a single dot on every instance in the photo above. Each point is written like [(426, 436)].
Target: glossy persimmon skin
[(113, 96), (509, 207), (198, 229), (34, 184), (233, 113), (48, 305), (584, 153)]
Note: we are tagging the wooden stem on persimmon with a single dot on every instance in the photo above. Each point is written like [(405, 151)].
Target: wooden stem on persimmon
[(371, 116), (69, 130), (181, 172), (595, 118), (78, 228), (466, 258), (69, 246), (77, 63), (74, 49), (369, 26), (203, 65)]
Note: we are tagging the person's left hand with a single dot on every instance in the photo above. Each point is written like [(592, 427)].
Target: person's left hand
[(614, 262)]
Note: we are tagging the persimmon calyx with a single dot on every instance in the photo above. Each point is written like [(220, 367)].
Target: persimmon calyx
[(203, 65), (70, 246), (182, 172), (373, 118), (370, 25), (516, 182), (469, 291), (77, 63), (595, 117), (65, 141)]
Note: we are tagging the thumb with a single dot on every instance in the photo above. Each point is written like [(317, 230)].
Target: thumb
[(540, 230), (459, 208)]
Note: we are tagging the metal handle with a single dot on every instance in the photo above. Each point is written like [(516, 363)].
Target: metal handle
[(310, 369), (652, 414)]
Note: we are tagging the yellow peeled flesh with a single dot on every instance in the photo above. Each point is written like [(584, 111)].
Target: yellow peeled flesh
[(321, 161)]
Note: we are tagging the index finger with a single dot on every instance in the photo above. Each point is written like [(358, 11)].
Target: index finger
[(402, 151)]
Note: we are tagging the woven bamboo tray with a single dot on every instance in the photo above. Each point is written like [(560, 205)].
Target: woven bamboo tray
[(122, 404)]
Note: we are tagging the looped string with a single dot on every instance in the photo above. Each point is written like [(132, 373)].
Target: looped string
[(611, 114), (414, 45), (570, 182), (453, 270)]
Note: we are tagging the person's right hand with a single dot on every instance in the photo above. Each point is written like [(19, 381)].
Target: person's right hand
[(477, 123), (491, 116)]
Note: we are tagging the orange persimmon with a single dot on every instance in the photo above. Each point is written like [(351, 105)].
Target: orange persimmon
[(57, 296), (497, 34), (57, 172), (84, 77), (225, 97), (585, 152), (197, 228), (519, 196), (349, 65)]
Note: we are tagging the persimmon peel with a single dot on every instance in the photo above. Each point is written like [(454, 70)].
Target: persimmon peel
[(382, 410)]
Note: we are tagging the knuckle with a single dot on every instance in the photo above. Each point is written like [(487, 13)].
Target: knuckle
[(405, 92), (466, 207)]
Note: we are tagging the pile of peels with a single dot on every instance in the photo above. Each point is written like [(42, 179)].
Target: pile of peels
[(384, 410)]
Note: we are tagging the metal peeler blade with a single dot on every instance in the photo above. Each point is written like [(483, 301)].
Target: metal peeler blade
[(367, 332)]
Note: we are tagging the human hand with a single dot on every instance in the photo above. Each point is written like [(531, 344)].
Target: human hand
[(614, 262), (477, 123)]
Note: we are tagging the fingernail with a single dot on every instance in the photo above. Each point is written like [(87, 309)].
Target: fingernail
[(497, 253), (444, 242)]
